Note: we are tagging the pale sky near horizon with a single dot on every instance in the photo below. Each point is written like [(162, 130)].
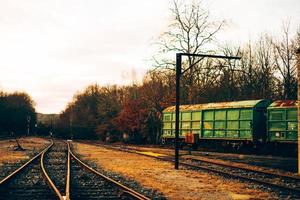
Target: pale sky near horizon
[(54, 48)]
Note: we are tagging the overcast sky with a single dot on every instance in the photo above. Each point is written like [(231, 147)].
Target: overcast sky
[(53, 48)]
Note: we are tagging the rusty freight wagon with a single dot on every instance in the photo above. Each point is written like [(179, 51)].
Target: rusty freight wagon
[(236, 123), (282, 122)]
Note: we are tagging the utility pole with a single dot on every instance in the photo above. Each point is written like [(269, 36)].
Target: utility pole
[(179, 72), (28, 123), (177, 103)]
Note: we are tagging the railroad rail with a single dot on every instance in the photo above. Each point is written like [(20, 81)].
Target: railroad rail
[(232, 165), (27, 181), (52, 168), (123, 193), (281, 182), (60, 174), (4, 180)]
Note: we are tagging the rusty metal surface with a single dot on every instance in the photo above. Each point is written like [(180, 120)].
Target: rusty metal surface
[(221, 105), (132, 193), (284, 104), (49, 180), (68, 174)]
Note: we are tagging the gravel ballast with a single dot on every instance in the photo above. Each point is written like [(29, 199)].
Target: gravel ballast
[(161, 176)]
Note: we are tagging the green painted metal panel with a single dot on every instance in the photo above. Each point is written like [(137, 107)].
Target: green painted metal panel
[(220, 115), (292, 114), (196, 116), (174, 117), (167, 132), (292, 135), (208, 133), (208, 125), (233, 114), (232, 133), (245, 134), (232, 124), (184, 131), (277, 126), (282, 121), (220, 125), (186, 116), (292, 126), (196, 125), (167, 125), (246, 114), (220, 134), (208, 115), (277, 115), (167, 117), (186, 125), (245, 124)]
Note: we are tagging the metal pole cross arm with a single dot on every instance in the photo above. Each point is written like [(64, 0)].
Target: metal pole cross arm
[(177, 103), (210, 56)]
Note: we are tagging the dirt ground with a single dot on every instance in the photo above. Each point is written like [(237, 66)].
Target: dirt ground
[(184, 154), (31, 145), (161, 176)]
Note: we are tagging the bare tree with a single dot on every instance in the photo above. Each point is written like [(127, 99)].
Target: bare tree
[(191, 30), (285, 62), (253, 76), (265, 68)]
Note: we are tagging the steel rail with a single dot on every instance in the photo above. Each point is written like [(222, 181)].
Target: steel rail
[(248, 169), (4, 180), (123, 187), (50, 182), (68, 174), (290, 189), (279, 175)]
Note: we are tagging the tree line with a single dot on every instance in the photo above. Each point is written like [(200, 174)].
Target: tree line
[(114, 112), (267, 69), (17, 114)]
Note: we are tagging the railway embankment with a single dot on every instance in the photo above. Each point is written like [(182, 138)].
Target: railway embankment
[(161, 176)]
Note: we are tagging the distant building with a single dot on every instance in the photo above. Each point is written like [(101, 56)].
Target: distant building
[(47, 119)]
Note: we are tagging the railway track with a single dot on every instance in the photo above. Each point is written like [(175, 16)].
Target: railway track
[(27, 182), (54, 163), (56, 173), (110, 189), (285, 184)]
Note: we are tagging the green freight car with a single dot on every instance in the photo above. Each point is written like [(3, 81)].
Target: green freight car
[(282, 122), (238, 122)]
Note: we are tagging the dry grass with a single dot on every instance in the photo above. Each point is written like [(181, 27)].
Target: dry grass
[(159, 175), (30, 144), (197, 157)]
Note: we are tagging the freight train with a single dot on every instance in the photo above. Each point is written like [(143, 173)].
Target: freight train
[(238, 124)]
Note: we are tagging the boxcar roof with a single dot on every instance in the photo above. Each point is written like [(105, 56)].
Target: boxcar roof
[(284, 104), (221, 105)]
